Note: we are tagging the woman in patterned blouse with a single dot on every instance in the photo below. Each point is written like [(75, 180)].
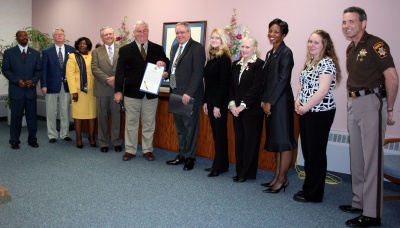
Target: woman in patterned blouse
[(316, 107)]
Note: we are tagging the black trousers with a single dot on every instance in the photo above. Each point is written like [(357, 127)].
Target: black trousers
[(219, 131), (248, 129), (314, 133)]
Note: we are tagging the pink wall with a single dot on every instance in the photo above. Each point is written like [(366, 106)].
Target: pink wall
[(84, 18)]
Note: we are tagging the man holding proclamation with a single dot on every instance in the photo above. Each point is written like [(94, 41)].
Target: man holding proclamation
[(131, 66)]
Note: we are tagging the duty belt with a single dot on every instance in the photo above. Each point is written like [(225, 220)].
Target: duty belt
[(379, 90)]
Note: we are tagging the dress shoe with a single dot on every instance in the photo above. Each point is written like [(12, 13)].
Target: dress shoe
[(14, 146), (300, 197), (52, 140), (189, 164), (34, 144), (283, 186), (118, 148), (149, 156), (178, 160), (208, 169), (364, 221), (235, 177), (350, 209), (239, 179), (213, 174), (128, 156), (80, 146), (68, 139), (267, 185), (104, 149), (92, 144)]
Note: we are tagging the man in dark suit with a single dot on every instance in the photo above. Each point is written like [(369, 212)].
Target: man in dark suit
[(21, 66), (54, 86), (186, 79), (132, 62), (104, 65)]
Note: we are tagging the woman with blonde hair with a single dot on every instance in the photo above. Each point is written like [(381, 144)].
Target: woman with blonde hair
[(245, 98), (316, 107), (217, 74)]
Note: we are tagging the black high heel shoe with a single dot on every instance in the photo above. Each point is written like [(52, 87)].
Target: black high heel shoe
[(92, 144), (283, 186), (208, 169), (79, 146)]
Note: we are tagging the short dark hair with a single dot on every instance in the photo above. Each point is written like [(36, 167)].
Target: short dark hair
[(88, 43), (283, 24), (355, 9)]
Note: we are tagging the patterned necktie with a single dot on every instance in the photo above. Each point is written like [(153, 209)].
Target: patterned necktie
[(143, 52), (60, 58), (23, 53), (172, 79), (110, 54)]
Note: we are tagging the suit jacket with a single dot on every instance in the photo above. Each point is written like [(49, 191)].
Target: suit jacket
[(278, 69), (250, 87), (16, 68), (52, 73), (189, 71), (102, 69), (131, 67), (217, 76)]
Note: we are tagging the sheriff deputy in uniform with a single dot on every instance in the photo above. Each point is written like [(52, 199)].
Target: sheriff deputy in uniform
[(372, 85)]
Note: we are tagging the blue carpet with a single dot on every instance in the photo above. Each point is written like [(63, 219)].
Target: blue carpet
[(58, 185)]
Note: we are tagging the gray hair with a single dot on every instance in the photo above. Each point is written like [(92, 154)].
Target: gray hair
[(57, 29), (187, 25), (141, 23), (254, 43), (104, 28)]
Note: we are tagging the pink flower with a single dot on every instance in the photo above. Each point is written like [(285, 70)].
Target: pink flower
[(118, 38), (239, 36), (230, 45)]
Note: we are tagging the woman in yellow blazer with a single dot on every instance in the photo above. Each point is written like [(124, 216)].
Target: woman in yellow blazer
[(80, 81)]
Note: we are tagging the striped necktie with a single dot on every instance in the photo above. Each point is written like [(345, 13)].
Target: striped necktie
[(172, 79)]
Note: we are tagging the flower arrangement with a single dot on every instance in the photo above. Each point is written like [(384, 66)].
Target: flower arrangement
[(235, 37), (123, 37)]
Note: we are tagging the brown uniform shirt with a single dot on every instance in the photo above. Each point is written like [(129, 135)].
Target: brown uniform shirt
[(366, 63)]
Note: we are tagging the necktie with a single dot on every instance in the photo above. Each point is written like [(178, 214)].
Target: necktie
[(143, 52), (172, 79), (23, 53), (60, 58), (110, 54)]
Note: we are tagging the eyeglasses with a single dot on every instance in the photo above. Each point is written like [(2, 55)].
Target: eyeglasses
[(59, 34), (180, 33), (142, 31)]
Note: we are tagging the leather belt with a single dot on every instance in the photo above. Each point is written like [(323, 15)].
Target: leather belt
[(379, 90)]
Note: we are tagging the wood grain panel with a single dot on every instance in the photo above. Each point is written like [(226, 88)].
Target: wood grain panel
[(165, 136)]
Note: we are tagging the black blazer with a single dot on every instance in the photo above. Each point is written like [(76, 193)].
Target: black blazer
[(250, 87), (131, 67), (217, 76), (278, 70), (189, 71)]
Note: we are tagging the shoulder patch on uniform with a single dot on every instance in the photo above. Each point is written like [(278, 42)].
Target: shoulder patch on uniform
[(380, 49)]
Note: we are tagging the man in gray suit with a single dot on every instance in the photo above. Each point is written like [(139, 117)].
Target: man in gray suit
[(104, 64), (186, 79)]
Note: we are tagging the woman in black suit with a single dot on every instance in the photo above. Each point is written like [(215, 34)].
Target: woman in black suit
[(217, 74), (278, 103), (244, 96)]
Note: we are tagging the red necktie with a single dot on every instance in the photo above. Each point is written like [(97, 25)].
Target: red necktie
[(23, 53)]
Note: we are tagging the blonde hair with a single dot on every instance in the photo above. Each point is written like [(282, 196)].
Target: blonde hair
[(223, 48), (327, 50), (254, 43)]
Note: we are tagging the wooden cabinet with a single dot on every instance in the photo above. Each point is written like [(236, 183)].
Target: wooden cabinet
[(165, 136)]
